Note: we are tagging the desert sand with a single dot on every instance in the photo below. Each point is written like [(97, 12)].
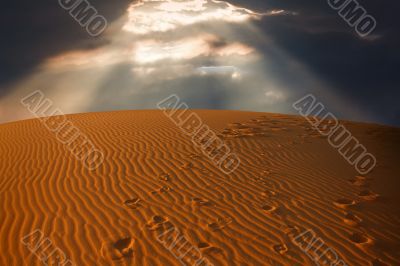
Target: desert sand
[(153, 178)]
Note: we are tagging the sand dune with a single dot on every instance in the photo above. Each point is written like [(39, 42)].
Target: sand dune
[(154, 181)]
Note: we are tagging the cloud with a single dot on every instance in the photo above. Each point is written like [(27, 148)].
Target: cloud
[(164, 15), (103, 56), (78, 80), (233, 72), (236, 54), (274, 96), (150, 51), (36, 31)]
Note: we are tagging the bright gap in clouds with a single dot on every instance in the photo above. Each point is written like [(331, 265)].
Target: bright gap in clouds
[(163, 46), (150, 51), (233, 72), (161, 16)]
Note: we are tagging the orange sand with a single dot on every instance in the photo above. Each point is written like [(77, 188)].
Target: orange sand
[(289, 180)]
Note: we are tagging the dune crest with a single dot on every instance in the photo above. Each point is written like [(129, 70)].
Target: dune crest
[(154, 180)]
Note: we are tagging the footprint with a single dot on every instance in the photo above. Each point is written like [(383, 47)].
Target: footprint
[(237, 125), (186, 166), (269, 208), (249, 130), (133, 203), (207, 248), (219, 224), (268, 193), (200, 202), (164, 177), (125, 246), (205, 171), (359, 177), (165, 189), (229, 133), (156, 222), (363, 178), (378, 262), (122, 248), (154, 192), (368, 195), (266, 173), (202, 245), (292, 230), (361, 239), (158, 219), (161, 190), (236, 135), (358, 183), (194, 156), (344, 203), (280, 248), (352, 219)]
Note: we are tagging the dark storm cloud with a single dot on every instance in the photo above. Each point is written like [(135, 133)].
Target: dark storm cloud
[(364, 70), (34, 30)]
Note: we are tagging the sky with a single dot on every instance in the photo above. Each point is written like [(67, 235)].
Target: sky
[(237, 55)]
